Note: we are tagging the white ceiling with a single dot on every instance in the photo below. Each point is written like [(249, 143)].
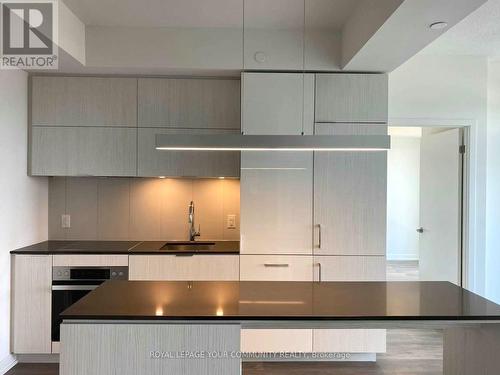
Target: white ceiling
[(205, 13), (478, 34)]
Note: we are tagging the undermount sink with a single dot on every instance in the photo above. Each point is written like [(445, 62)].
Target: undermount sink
[(188, 246)]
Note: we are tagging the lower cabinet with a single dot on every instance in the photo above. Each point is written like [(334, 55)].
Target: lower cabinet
[(184, 268), (276, 268), (349, 268), (31, 304), (308, 268)]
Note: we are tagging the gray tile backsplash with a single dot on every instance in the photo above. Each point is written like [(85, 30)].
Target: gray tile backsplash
[(141, 208)]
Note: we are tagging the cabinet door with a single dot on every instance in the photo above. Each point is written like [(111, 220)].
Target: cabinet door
[(189, 103), (80, 151), (351, 98), (152, 162), (184, 268), (84, 101), (273, 34), (350, 190), (31, 304), (276, 203), (277, 103)]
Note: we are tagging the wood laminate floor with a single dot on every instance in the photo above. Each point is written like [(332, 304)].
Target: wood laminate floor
[(409, 352)]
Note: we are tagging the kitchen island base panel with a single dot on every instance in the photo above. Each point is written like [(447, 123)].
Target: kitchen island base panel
[(156, 348), (472, 351), (150, 349)]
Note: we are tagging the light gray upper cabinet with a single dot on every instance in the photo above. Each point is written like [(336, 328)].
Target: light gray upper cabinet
[(189, 103), (277, 103), (83, 151), (351, 98), (152, 162), (88, 125), (273, 34), (84, 101), (350, 195)]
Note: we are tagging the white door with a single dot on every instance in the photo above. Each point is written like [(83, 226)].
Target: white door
[(440, 206)]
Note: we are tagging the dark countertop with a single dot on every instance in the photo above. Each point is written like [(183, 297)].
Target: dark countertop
[(156, 300), (122, 247)]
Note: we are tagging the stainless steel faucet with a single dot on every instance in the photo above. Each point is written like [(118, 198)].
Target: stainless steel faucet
[(192, 231)]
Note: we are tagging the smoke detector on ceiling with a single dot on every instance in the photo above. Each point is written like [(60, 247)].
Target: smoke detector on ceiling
[(438, 25)]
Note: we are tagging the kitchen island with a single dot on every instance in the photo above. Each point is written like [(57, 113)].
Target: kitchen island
[(147, 327)]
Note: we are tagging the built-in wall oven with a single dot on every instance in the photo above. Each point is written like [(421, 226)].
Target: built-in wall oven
[(69, 284)]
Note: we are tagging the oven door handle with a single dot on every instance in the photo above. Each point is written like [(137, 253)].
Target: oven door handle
[(74, 287)]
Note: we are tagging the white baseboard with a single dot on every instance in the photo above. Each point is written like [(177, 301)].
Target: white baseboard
[(7, 363)]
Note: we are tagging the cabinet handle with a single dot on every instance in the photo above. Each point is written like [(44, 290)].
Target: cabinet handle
[(319, 271), (276, 265), (319, 236)]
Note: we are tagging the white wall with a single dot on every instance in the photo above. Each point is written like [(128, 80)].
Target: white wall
[(403, 190), (451, 87), (493, 185), (23, 203)]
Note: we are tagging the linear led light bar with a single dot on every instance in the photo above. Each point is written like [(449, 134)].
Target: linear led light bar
[(240, 142)]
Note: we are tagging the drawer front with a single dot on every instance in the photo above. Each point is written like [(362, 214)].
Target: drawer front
[(184, 268), (349, 268), (275, 268), (90, 260), (276, 340)]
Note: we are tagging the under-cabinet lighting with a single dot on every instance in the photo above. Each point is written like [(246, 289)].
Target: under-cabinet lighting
[(272, 302), (240, 142), (274, 169)]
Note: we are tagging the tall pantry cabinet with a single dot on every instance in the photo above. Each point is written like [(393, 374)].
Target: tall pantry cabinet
[(313, 216)]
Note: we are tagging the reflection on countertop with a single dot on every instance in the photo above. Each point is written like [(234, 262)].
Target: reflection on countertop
[(263, 300)]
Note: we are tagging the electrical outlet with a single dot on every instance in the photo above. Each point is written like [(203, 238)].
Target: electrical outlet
[(231, 221), (65, 221)]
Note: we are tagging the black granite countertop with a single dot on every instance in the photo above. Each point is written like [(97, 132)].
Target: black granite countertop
[(128, 247), (393, 301)]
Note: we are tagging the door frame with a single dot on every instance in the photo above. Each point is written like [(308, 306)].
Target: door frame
[(468, 248)]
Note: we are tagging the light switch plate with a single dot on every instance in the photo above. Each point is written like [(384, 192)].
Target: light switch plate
[(66, 221), (231, 221)]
